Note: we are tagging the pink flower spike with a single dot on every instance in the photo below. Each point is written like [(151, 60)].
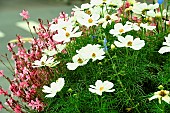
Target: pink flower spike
[(25, 14), (1, 106), (1, 73)]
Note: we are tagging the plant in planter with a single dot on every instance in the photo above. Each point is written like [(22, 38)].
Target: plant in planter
[(108, 56)]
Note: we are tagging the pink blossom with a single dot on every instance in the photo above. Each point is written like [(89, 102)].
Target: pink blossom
[(2, 91), (1, 73), (25, 14), (1, 106), (17, 109), (36, 104)]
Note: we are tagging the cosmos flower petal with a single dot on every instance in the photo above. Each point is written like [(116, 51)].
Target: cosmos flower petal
[(72, 66), (164, 49), (50, 95)]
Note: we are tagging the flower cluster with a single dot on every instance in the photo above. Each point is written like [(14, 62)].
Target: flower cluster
[(94, 52), (91, 45)]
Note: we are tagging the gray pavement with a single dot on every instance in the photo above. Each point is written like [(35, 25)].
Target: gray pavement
[(9, 15)]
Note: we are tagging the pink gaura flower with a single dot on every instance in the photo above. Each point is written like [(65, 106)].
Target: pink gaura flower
[(17, 109), (25, 14), (1, 73), (1, 106)]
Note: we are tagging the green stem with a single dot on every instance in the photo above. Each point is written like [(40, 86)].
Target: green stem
[(119, 80)]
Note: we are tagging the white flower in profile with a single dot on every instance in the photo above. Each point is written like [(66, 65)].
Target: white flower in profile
[(128, 41), (108, 19), (83, 7), (147, 27), (101, 87), (49, 51), (45, 61), (54, 87), (61, 24), (138, 8), (52, 52), (64, 35), (78, 60), (89, 20), (94, 52), (117, 3), (133, 25), (166, 47), (119, 29), (99, 2), (161, 95)]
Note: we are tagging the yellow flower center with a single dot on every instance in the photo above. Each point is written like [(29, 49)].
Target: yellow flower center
[(64, 28), (90, 20), (104, 0), (121, 30), (101, 88), (129, 43), (42, 63), (88, 12), (80, 60), (162, 93), (93, 55), (67, 34), (108, 17)]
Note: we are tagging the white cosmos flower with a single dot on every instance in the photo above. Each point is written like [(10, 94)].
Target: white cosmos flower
[(101, 87), (52, 52), (134, 26), (147, 27), (128, 41), (166, 47), (108, 19), (64, 35), (99, 2), (117, 3), (83, 7), (54, 87), (138, 8), (161, 95), (45, 61), (61, 24), (120, 29), (78, 60), (89, 20), (94, 52)]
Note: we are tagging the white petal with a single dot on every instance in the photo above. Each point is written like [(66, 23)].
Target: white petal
[(51, 95), (92, 90), (164, 49), (92, 86), (166, 99), (153, 97), (46, 89), (72, 66), (118, 44), (99, 92), (98, 84), (108, 85), (121, 39), (44, 58), (112, 90)]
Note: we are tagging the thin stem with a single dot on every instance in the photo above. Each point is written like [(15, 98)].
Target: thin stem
[(8, 60), (29, 28), (119, 80), (6, 66)]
